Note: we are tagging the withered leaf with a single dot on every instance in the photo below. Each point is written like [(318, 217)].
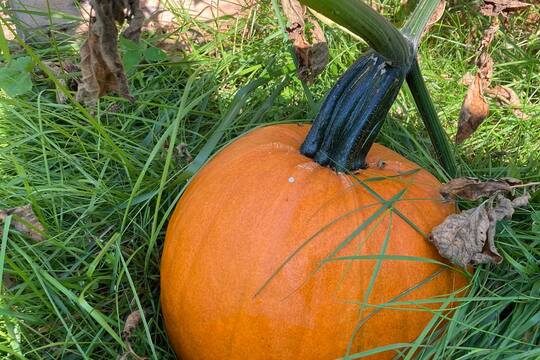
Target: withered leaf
[(484, 62), (24, 220), (488, 36), (468, 238), (132, 322), (101, 67), (474, 189), (312, 56), (497, 7), (462, 236), (521, 201), (136, 20), (485, 69), (60, 70), (376, 5), (473, 111), (467, 79), (475, 107), (437, 15), (182, 152), (508, 97)]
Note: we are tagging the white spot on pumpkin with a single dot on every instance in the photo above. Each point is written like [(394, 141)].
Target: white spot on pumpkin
[(291, 179)]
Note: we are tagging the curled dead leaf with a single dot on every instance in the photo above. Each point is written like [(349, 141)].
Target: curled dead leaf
[(488, 37), (475, 108), (377, 6), (182, 152), (311, 54), (135, 18), (25, 221), (467, 79), (101, 66), (474, 189), (61, 71), (473, 111), (468, 238), (508, 97), (132, 323), (501, 7)]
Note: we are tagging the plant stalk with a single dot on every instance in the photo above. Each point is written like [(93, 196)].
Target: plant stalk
[(414, 27), (431, 119), (362, 20)]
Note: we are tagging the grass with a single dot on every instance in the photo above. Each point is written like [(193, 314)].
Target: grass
[(104, 184)]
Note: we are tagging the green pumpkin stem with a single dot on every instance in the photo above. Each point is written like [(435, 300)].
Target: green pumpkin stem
[(353, 113), (356, 107)]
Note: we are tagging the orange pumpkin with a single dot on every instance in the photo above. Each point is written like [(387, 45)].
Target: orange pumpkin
[(270, 255)]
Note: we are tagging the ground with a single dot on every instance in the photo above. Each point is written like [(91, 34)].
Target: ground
[(103, 181)]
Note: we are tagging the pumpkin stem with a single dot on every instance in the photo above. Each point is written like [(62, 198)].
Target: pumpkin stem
[(356, 107), (353, 113)]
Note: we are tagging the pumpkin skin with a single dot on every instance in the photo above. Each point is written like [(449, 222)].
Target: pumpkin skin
[(251, 207)]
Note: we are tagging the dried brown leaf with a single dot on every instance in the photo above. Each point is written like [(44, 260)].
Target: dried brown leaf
[(467, 79), (377, 6), (132, 322), (312, 56), (508, 97), (521, 201), (485, 69), (462, 236), (468, 238), (474, 189), (532, 20), (437, 15), (101, 66), (475, 107), (484, 62), (25, 221), (501, 7), (182, 152), (488, 36), (473, 111), (60, 70), (136, 20)]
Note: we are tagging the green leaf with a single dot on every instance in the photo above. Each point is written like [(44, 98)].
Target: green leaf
[(129, 45), (536, 222), (154, 54), (15, 77), (131, 59), (132, 53)]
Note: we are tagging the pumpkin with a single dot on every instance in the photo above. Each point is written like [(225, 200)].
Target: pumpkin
[(270, 255)]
